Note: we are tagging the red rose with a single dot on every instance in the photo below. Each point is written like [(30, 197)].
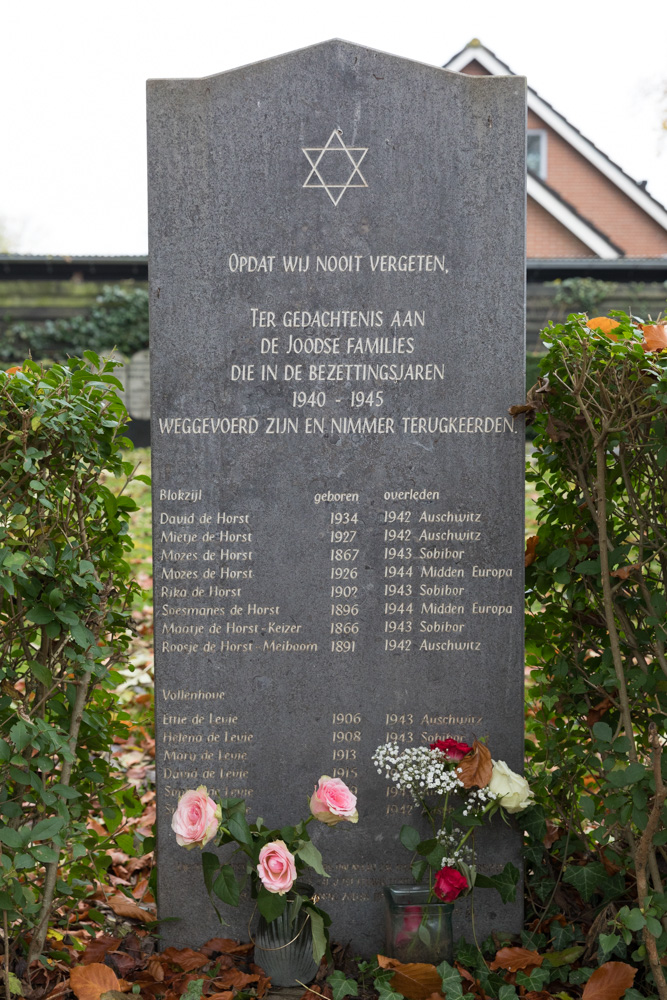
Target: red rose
[(449, 883), (452, 749)]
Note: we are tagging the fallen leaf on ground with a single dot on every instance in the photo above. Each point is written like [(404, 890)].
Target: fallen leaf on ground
[(236, 978), (476, 767), (225, 946), (514, 959), (98, 948), (89, 982), (323, 991), (124, 907), (609, 982), (415, 980), (186, 958), (155, 970)]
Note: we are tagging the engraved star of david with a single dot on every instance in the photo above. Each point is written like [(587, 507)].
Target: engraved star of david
[(339, 159)]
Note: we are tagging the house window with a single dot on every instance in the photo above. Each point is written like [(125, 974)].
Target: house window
[(536, 152)]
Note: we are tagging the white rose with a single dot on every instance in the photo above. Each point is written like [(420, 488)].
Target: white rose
[(511, 790)]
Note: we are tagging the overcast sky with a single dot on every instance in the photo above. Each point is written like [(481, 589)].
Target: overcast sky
[(72, 78)]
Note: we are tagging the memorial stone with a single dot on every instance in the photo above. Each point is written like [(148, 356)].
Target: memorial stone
[(337, 328)]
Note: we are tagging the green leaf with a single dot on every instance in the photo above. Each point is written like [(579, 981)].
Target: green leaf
[(418, 868), (42, 673), (82, 635), (387, 992), (590, 567), (5, 752), (239, 829), (557, 558), (603, 732), (505, 882), (587, 806), (311, 856), (319, 934), (623, 776), (226, 887), (47, 828), (14, 561), (410, 837), (586, 879), (14, 981), (534, 980), (632, 919), (654, 926), (12, 838), (210, 865), (568, 956), (507, 992), (39, 615), (44, 854), (608, 942), (20, 735), (270, 904), (341, 986), (451, 981), (193, 991)]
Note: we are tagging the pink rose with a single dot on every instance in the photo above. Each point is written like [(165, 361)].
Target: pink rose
[(332, 801), (449, 883), (276, 867), (452, 749), (196, 819)]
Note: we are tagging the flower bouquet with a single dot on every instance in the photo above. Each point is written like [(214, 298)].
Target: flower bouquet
[(457, 788), (275, 859)]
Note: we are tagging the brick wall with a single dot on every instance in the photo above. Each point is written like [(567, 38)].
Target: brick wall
[(593, 195), (598, 199)]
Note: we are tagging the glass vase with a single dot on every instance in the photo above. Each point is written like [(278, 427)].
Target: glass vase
[(417, 930), (284, 947)]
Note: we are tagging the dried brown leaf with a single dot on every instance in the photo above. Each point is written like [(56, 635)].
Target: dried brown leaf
[(226, 946), (322, 989), (609, 982), (514, 959), (415, 980), (476, 767), (531, 545), (235, 978), (185, 958), (655, 337), (98, 948), (124, 907), (155, 970), (89, 982), (122, 963), (603, 324), (623, 572)]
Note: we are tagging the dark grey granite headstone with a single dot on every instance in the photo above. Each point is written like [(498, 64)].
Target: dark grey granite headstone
[(337, 317)]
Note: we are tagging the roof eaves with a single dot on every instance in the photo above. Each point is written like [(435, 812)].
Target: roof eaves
[(637, 192), (591, 225)]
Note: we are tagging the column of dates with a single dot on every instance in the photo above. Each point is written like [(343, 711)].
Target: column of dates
[(344, 580), (398, 729), (347, 740), (399, 586)]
